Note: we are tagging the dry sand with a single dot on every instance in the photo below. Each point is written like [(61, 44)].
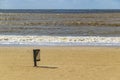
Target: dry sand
[(60, 63)]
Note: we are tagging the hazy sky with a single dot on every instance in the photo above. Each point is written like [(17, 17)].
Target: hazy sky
[(59, 4)]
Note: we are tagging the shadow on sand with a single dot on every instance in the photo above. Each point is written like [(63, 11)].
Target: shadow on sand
[(47, 67)]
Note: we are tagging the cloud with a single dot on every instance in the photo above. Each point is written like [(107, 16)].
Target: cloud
[(60, 4)]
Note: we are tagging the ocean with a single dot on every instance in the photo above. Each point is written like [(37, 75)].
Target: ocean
[(59, 27)]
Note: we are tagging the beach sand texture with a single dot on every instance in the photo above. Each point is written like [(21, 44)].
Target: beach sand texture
[(60, 63)]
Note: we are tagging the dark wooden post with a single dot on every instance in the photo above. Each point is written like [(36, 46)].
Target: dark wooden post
[(36, 56)]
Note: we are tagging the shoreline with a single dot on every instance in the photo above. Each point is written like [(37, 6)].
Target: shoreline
[(19, 40), (109, 46)]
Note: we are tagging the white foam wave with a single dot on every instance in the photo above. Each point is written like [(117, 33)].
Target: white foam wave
[(58, 40)]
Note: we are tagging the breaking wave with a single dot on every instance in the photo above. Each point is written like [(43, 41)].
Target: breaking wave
[(58, 40)]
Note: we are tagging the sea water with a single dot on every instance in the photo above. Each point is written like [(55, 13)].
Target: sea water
[(60, 27)]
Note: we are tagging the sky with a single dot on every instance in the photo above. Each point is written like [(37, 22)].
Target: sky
[(59, 4)]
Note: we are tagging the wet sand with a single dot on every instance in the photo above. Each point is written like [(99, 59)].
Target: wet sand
[(60, 63)]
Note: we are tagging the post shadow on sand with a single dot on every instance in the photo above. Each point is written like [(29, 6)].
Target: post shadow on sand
[(36, 57), (46, 67)]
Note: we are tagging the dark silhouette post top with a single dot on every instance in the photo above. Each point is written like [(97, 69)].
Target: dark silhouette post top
[(36, 56)]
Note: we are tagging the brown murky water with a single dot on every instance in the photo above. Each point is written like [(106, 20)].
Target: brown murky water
[(87, 24)]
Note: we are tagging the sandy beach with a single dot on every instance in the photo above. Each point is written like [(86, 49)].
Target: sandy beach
[(60, 63)]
